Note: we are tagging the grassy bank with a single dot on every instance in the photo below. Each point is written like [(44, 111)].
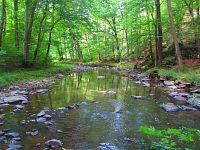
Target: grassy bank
[(23, 75), (188, 75)]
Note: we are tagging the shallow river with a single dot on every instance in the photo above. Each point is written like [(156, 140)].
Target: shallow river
[(104, 118)]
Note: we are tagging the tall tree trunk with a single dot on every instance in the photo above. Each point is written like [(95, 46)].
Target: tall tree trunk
[(115, 33), (28, 30), (159, 29), (40, 38), (127, 42), (173, 32), (16, 24), (2, 23), (26, 34), (198, 29), (150, 41)]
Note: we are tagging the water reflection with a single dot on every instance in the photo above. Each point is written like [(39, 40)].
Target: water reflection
[(106, 118)]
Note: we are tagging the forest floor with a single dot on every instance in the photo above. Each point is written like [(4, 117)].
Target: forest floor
[(21, 75)]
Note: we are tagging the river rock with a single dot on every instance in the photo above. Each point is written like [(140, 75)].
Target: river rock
[(169, 83), (42, 91), (41, 114), (139, 97), (107, 146), (2, 133), (197, 91), (14, 99), (187, 108), (19, 92), (19, 107), (100, 77), (180, 98), (12, 135), (41, 120), (33, 132), (169, 107), (14, 146), (195, 101), (109, 92), (53, 143)]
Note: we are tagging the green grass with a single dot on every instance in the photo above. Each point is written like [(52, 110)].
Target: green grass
[(23, 75), (188, 75)]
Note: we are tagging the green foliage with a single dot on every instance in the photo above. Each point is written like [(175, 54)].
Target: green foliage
[(172, 139)]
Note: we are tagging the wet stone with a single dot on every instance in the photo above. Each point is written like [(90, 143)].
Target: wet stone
[(37, 145), (139, 97), (169, 83), (17, 110), (48, 123), (41, 114), (14, 99), (109, 92), (169, 107), (195, 101), (2, 116), (42, 91), (2, 133), (25, 102), (100, 77), (187, 108), (19, 107), (54, 143), (14, 146), (41, 120), (180, 98), (107, 146), (12, 135)]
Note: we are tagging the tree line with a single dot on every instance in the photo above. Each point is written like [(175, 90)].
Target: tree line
[(41, 31)]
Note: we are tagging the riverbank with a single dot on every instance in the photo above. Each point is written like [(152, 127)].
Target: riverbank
[(188, 75), (21, 75)]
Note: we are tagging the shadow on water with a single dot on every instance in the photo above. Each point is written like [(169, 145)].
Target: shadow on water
[(105, 117)]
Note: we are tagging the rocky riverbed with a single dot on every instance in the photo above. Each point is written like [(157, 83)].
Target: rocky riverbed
[(16, 99)]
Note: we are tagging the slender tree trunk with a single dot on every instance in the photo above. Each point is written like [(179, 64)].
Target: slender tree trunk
[(115, 33), (29, 19), (2, 23), (49, 44), (40, 38), (150, 41), (198, 29), (16, 24), (173, 32), (159, 29), (26, 34), (127, 42)]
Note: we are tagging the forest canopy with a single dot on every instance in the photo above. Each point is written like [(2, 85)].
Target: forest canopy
[(42, 31)]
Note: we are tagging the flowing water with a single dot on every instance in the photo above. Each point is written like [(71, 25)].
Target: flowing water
[(102, 118)]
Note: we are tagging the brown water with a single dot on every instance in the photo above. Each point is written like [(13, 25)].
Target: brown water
[(96, 122)]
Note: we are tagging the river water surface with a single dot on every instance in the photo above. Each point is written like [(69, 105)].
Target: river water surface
[(101, 118)]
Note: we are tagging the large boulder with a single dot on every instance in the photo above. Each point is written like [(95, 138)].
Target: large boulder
[(169, 107), (14, 99), (195, 101)]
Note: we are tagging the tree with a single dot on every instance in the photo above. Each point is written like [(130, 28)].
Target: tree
[(2, 23), (16, 24), (159, 31), (174, 36)]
